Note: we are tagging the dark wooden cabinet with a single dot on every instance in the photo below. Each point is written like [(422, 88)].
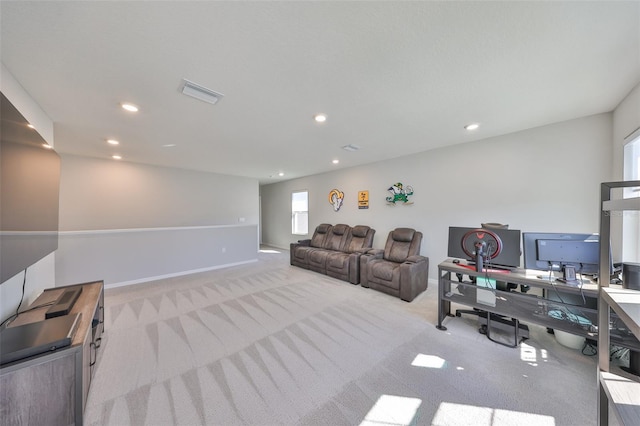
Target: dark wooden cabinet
[(52, 388)]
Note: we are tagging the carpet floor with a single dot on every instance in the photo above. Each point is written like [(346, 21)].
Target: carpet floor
[(272, 344)]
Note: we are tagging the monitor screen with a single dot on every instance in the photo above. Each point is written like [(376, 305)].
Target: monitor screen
[(508, 258), (554, 251)]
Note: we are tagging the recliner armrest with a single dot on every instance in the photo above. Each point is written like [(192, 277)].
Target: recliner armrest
[(304, 242), (376, 253), (360, 251), (414, 277), (370, 254), (415, 259)]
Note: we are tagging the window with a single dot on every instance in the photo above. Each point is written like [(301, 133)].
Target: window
[(300, 213), (632, 160), (631, 221)]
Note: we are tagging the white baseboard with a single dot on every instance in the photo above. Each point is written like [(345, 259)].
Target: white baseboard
[(275, 246), (176, 274)]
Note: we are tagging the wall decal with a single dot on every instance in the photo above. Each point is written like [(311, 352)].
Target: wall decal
[(336, 198), (399, 193), (363, 199)]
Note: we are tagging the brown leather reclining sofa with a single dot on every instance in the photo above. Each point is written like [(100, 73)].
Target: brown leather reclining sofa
[(334, 250)]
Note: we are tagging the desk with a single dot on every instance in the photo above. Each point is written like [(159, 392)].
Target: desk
[(542, 310)]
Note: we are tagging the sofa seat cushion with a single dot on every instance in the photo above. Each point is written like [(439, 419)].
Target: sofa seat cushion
[(383, 272), (301, 252), (318, 256), (338, 261)]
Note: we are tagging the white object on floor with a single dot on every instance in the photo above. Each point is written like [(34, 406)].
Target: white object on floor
[(569, 340)]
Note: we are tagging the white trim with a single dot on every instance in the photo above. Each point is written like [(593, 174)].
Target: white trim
[(275, 246), (622, 204), (631, 136), (177, 274), (171, 228), (27, 233)]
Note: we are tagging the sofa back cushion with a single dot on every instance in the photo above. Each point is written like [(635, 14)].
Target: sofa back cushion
[(402, 243), (336, 237), (320, 235), (361, 238)]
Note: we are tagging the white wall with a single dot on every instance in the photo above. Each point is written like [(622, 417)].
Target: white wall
[(26, 105), (42, 274), (544, 179), (123, 222), (108, 194), (626, 120)]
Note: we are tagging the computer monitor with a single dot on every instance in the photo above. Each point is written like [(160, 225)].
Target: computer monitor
[(508, 258), (546, 251)]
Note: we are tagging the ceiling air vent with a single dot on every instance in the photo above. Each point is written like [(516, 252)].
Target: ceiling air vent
[(199, 92), (351, 147)]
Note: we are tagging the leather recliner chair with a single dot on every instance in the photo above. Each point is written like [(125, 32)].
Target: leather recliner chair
[(399, 269)]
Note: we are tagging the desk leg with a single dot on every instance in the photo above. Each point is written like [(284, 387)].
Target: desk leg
[(444, 306), (603, 407)]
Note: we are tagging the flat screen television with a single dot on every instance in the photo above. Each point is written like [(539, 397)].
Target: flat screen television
[(546, 251), (508, 258), (29, 194)]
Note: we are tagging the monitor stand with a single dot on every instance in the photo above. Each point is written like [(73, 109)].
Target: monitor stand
[(569, 277), (479, 262), (480, 249)]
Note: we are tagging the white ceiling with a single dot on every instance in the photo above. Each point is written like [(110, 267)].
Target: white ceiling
[(393, 77)]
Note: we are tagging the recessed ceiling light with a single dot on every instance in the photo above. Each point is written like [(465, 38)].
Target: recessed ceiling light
[(472, 126), (169, 145), (30, 126), (335, 161), (281, 174), (113, 142), (130, 107), (46, 145), (116, 157), (320, 118)]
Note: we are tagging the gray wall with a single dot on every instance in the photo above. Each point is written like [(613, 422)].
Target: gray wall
[(124, 223), (544, 179)]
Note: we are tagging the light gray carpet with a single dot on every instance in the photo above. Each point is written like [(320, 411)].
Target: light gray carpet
[(268, 343)]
